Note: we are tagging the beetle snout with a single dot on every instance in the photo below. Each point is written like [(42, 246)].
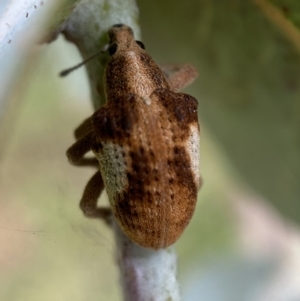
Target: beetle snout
[(120, 33)]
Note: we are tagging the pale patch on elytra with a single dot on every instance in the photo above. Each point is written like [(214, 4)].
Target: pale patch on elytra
[(113, 169), (147, 100), (193, 148)]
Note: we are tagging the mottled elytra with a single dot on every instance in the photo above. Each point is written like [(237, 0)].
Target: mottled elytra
[(146, 141)]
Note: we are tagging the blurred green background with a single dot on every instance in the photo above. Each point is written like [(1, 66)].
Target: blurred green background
[(243, 242)]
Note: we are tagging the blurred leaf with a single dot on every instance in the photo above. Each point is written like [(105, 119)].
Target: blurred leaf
[(248, 89)]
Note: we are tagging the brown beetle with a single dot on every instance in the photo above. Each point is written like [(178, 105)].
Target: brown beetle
[(146, 140)]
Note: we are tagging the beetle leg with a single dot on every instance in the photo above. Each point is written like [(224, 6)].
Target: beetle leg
[(91, 193), (179, 76), (76, 152), (83, 129), (88, 162)]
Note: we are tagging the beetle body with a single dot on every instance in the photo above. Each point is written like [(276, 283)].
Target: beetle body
[(146, 139)]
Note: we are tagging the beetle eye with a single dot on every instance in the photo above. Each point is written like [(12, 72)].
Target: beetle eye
[(141, 44), (112, 49)]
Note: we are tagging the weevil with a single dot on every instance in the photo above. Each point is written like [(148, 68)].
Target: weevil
[(146, 140)]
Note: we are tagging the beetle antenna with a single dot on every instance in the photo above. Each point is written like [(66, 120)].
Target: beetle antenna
[(69, 70)]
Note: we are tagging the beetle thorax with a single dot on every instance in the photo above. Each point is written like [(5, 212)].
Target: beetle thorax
[(132, 71)]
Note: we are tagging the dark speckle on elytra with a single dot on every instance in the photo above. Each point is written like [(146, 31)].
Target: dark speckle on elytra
[(134, 213), (142, 151), (135, 167), (179, 115), (27, 15)]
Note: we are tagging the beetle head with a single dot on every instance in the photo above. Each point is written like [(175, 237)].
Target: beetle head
[(121, 37)]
